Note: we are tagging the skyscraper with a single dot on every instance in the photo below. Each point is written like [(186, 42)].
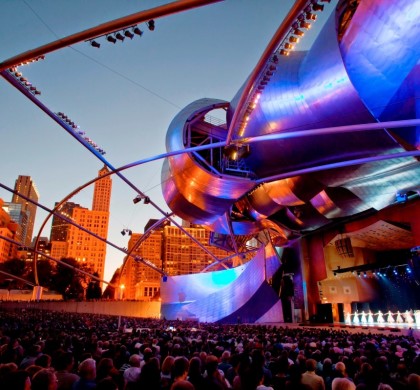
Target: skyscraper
[(81, 245), (102, 192), (26, 187), (8, 228), (59, 227), (170, 249)]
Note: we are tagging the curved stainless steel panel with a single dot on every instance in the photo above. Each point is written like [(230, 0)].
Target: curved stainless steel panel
[(371, 75), (189, 188)]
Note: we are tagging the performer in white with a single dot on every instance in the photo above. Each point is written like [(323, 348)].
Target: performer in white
[(356, 318), (380, 319), (399, 318), (417, 316), (389, 317), (408, 317), (347, 320), (370, 317), (363, 318)]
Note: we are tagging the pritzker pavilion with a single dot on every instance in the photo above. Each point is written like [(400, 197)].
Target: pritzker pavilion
[(309, 176)]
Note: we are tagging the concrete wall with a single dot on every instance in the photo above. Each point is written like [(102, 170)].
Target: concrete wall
[(116, 308)]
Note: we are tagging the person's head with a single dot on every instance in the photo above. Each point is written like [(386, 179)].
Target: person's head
[(182, 385), (43, 360), (211, 364), (134, 360), (195, 367), (340, 367), (87, 369), (105, 368), (225, 356), (44, 379), (342, 384), (32, 370), (413, 381), (167, 364), (311, 365), (180, 368), (64, 361)]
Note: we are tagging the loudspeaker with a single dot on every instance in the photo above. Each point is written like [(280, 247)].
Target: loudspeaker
[(324, 313), (340, 309), (344, 247)]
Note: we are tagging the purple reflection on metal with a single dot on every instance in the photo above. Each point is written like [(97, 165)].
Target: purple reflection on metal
[(360, 72)]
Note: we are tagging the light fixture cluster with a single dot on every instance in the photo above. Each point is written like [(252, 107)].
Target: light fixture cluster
[(303, 22), (64, 118), (120, 35), (292, 38), (27, 62), (23, 81)]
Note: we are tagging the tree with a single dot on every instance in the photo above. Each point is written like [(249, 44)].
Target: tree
[(15, 267), (68, 281), (93, 291)]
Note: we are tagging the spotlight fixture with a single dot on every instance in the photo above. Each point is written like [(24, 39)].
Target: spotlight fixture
[(317, 7), (151, 25), (298, 32), (119, 36), (137, 31), (284, 52), (288, 46), (123, 232), (305, 25), (139, 198), (128, 34), (95, 44), (293, 39), (111, 39), (310, 16)]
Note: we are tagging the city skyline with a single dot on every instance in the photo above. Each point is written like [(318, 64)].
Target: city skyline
[(123, 95)]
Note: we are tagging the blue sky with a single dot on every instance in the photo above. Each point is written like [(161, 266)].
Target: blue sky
[(124, 95)]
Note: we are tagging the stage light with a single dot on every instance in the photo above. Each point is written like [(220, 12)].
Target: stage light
[(123, 232), (146, 200), (288, 46), (305, 25), (151, 25), (317, 7), (119, 36), (95, 44), (310, 16), (298, 32), (408, 270), (128, 34), (137, 31), (284, 52), (275, 59), (111, 39), (293, 39), (358, 274)]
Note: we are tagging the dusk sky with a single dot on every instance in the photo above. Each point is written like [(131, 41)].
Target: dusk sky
[(123, 95)]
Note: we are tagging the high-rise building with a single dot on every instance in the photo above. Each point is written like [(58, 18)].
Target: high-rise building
[(182, 255), (59, 227), (26, 187), (82, 246), (8, 228), (16, 213), (102, 192), (167, 248)]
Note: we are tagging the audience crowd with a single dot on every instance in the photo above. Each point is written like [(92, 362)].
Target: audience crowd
[(42, 350)]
